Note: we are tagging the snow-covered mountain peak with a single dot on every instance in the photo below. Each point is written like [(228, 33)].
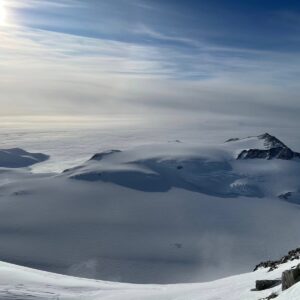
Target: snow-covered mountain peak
[(264, 146), (264, 141), (271, 141)]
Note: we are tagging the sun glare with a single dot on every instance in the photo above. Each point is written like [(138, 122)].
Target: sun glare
[(2, 13)]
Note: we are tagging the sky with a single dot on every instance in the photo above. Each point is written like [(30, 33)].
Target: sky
[(214, 59)]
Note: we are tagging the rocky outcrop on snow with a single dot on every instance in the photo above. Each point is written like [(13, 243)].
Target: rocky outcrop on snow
[(101, 155), (290, 277), (232, 140), (292, 197), (261, 285), (279, 153), (285, 196), (273, 264), (272, 296), (273, 148), (19, 158)]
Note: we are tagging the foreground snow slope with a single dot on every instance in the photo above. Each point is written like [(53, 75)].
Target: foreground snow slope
[(162, 213), (27, 284)]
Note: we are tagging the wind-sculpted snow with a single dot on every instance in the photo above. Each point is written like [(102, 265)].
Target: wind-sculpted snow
[(159, 168), (160, 174), (209, 170), (159, 213), (18, 158)]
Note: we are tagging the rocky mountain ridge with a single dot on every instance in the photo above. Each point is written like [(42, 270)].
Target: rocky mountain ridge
[(273, 148)]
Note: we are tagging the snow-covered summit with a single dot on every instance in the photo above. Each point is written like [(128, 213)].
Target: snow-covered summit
[(19, 158), (264, 146), (271, 141), (264, 141)]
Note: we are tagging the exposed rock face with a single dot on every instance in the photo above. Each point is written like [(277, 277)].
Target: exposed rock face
[(261, 285), (272, 296), (290, 277), (285, 196), (232, 140), (279, 153), (273, 148), (273, 264), (291, 197), (100, 156)]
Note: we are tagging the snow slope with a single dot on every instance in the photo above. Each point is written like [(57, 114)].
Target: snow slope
[(159, 213), (19, 158), (209, 170), (27, 284)]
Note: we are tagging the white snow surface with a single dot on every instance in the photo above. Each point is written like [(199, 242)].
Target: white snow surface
[(211, 170), (19, 158), (27, 284), (158, 213)]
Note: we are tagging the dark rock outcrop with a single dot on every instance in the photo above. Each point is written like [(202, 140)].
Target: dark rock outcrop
[(291, 197), (100, 156), (272, 296), (232, 140), (261, 285), (273, 264), (279, 153), (285, 196), (290, 277)]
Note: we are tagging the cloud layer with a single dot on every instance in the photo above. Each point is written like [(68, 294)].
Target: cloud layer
[(143, 70)]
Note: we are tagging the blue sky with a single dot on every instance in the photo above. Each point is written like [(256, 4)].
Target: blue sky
[(128, 56), (249, 24)]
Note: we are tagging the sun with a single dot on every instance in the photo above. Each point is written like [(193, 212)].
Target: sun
[(2, 13)]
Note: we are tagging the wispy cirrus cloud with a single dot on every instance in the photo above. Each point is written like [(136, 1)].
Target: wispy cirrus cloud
[(45, 3), (55, 73), (143, 69)]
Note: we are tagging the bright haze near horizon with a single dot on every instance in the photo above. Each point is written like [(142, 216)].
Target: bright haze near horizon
[(201, 63)]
